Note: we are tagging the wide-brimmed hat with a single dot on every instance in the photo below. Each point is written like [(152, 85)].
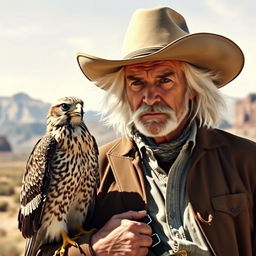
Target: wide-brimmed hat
[(162, 34)]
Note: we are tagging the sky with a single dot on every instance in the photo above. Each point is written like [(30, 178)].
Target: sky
[(39, 41)]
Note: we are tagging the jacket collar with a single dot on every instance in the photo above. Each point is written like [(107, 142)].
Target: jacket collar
[(209, 138)]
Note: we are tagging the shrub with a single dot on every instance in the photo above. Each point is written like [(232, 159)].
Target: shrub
[(6, 189), (4, 206), (2, 232)]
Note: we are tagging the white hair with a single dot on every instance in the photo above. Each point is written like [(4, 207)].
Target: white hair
[(208, 102), (206, 105), (116, 111)]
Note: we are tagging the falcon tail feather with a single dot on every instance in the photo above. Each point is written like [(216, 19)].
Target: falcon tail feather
[(29, 247)]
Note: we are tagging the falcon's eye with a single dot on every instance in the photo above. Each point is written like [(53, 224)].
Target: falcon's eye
[(65, 106)]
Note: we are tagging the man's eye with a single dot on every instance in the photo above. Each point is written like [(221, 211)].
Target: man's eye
[(65, 106), (165, 80), (136, 83), (166, 83)]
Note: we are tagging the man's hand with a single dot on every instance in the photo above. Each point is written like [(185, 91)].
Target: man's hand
[(123, 234)]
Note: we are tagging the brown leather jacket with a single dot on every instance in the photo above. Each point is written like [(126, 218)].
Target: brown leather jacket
[(221, 184)]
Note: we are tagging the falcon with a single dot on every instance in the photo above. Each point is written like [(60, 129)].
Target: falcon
[(60, 179)]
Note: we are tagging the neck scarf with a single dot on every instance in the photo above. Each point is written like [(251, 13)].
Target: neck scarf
[(164, 152)]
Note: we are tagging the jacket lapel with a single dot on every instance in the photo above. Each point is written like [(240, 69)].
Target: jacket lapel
[(126, 169)]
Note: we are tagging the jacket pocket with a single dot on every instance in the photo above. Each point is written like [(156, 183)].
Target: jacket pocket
[(232, 204)]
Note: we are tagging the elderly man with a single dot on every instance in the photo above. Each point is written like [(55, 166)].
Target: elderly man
[(172, 185)]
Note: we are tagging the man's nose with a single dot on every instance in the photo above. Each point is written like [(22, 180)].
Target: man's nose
[(151, 97)]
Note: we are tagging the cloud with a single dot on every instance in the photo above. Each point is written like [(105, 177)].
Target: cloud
[(20, 31), (107, 44), (80, 42), (227, 8)]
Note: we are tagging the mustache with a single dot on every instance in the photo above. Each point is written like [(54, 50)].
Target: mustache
[(157, 108)]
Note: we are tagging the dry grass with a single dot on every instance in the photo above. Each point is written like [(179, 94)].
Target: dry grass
[(12, 245)]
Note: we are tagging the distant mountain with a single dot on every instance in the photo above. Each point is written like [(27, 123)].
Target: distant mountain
[(23, 119), (22, 109)]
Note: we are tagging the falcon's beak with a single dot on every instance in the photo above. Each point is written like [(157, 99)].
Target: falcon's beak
[(78, 111), (76, 116)]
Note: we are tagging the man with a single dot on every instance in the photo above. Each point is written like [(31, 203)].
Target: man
[(173, 185)]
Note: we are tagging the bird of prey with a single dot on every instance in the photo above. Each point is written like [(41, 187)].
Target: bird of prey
[(60, 178)]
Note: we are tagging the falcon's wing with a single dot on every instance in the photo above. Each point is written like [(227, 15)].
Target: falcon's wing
[(35, 184)]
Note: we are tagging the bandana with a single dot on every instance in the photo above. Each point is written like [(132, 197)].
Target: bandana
[(163, 152)]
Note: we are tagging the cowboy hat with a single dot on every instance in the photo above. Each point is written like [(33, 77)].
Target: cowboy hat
[(162, 34)]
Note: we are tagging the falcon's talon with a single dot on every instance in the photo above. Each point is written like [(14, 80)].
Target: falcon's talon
[(66, 241), (62, 252), (75, 244)]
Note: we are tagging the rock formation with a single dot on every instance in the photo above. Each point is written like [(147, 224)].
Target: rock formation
[(4, 145), (246, 111), (245, 117)]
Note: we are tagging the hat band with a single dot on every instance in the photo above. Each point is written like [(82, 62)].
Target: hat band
[(142, 53)]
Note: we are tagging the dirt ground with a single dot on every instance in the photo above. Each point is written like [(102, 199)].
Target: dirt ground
[(11, 241)]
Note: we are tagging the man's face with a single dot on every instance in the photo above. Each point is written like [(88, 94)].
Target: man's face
[(159, 98)]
